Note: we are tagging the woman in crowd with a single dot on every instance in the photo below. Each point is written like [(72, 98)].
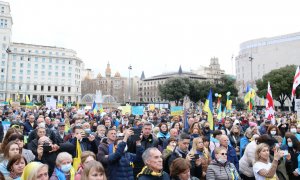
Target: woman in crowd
[(273, 131), (234, 138), (201, 152), (292, 163), (220, 168), (163, 134), (172, 143), (63, 169), (11, 149), (93, 171), (5, 141), (245, 140), (86, 157), (180, 170), (35, 171), (15, 167), (177, 126), (19, 139), (263, 168)]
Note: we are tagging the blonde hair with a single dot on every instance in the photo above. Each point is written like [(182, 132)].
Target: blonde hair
[(92, 165), (194, 147), (259, 148), (31, 170), (219, 149)]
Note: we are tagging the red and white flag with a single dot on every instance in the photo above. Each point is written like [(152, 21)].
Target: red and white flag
[(270, 105), (295, 83)]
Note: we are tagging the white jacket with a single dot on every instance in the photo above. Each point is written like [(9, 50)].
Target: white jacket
[(248, 159)]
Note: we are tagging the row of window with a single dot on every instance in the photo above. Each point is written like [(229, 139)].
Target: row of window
[(43, 60), (55, 88), (43, 73), (37, 52), (36, 66)]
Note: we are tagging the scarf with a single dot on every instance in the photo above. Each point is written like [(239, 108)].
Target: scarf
[(147, 171), (163, 135), (14, 175), (61, 175)]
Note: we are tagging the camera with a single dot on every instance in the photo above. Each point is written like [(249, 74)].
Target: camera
[(47, 147)]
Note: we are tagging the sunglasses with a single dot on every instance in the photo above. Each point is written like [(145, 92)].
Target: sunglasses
[(224, 154)]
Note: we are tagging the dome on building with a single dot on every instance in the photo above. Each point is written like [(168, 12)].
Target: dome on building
[(99, 76), (117, 74)]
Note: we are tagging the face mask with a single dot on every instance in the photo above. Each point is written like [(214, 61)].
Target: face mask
[(66, 168), (290, 144), (273, 132), (293, 130), (222, 161)]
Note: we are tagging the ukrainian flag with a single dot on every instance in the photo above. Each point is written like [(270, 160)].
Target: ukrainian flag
[(28, 102), (208, 107)]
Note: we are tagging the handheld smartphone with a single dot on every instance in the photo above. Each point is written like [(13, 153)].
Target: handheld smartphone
[(196, 156), (285, 152), (137, 133)]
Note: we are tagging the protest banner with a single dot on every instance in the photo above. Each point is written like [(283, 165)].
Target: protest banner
[(137, 110), (176, 110)]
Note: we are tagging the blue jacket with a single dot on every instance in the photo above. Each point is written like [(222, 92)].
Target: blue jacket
[(231, 156), (243, 143), (120, 163)]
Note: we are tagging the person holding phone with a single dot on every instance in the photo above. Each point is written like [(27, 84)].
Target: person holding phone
[(201, 154), (263, 168), (292, 162), (121, 162)]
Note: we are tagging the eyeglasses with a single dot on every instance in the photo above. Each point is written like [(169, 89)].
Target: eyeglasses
[(224, 154)]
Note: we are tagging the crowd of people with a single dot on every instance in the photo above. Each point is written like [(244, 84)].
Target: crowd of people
[(46, 144)]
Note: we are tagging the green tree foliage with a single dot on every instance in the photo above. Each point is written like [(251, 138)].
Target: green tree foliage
[(174, 89), (281, 82), (199, 90)]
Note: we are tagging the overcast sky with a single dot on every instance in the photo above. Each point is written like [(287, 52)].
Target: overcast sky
[(154, 35)]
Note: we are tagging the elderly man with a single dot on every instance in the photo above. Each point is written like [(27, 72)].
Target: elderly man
[(231, 153), (153, 168), (30, 125), (49, 132)]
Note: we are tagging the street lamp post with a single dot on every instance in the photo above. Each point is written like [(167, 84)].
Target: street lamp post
[(251, 60), (8, 51), (129, 84)]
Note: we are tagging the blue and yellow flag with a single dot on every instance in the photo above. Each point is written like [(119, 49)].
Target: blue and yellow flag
[(28, 102), (208, 107)]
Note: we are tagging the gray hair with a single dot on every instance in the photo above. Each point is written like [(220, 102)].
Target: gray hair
[(146, 154), (62, 156)]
